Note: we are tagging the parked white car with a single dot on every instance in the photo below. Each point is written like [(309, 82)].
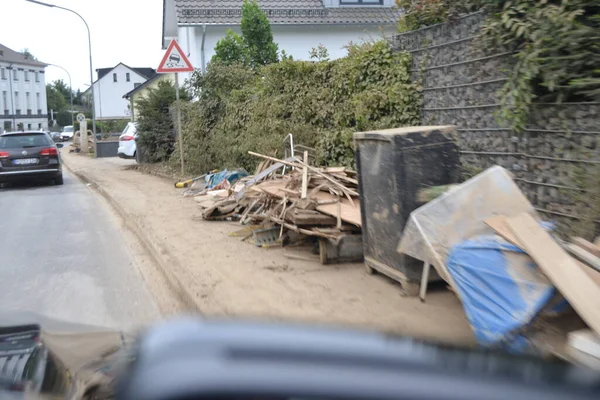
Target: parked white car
[(67, 133), (127, 146)]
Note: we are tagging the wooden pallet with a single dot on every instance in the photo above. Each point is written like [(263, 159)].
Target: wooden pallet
[(409, 287)]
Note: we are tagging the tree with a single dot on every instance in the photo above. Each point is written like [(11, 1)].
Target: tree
[(27, 54), (231, 49), (155, 122), (56, 100), (255, 47), (62, 87), (257, 35)]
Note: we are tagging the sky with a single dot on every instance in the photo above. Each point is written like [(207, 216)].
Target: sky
[(127, 31)]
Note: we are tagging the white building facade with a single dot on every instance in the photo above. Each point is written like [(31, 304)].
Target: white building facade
[(23, 104), (111, 85), (297, 26)]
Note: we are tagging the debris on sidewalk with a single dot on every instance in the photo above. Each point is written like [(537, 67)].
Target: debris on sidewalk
[(309, 201), (484, 238)]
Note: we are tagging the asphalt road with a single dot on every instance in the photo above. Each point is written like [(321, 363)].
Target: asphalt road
[(62, 255)]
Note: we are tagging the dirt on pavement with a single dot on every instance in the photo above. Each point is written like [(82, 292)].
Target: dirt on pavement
[(227, 277)]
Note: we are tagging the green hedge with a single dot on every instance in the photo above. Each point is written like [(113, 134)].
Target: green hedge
[(321, 103)]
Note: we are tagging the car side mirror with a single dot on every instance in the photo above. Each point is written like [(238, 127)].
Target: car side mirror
[(60, 145)]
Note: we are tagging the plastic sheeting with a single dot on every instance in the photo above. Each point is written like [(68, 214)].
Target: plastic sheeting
[(213, 180), (458, 215), (501, 289)]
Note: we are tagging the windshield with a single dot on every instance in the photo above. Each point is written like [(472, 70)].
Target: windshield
[(68, 129), (24, 141)]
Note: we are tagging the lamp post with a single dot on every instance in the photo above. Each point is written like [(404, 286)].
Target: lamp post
[(70, 92), (90, 50)]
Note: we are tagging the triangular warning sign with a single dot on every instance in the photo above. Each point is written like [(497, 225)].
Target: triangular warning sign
[(174, 60)]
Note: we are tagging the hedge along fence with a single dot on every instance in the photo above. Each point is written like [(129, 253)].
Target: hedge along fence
[(321, 103)]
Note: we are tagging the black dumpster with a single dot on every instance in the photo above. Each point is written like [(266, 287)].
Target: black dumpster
[(393, 165)]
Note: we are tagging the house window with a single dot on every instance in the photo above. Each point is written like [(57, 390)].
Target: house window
[(37, 76), (15, 75), (114, 77), (5, 99), (127, 78), (3, 73), (361, 2), (136, 84), (28, 101), (39, 125), (17, 100), (26, 75), (37, 102), (28, 126)]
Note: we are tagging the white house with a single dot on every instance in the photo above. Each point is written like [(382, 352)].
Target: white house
[(111, 85), (297, 25), (22, 92)]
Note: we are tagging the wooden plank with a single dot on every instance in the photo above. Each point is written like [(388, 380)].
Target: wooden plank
[(585, 341), (305, 177), (305, 217), (300, 164), (583, 256), (498, 223), (577, 287), (349, 213), (587, 246)]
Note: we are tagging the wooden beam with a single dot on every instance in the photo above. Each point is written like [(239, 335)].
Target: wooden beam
[(305, 177), (583, 256), (577, 287), (587, 246), (300, 164)]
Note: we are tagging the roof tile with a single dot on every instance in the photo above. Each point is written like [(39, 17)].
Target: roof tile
[(279, 12)]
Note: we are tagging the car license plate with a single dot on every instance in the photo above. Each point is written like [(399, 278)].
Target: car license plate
[(26, 161)]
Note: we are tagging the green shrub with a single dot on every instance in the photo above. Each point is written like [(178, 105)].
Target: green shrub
[(240, 109), (155, 123)]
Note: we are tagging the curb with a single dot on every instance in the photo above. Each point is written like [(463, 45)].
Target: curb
[(165, 268)]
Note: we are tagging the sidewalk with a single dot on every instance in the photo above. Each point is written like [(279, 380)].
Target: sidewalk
[(220, 275)]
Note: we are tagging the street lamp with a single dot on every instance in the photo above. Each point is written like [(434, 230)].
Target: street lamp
[(90, 50), (70, 92)]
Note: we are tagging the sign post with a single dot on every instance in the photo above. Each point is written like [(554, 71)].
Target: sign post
[(83, 141), (175, 61)]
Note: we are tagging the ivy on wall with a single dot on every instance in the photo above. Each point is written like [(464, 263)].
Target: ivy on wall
[(321, 103), (557, 44)]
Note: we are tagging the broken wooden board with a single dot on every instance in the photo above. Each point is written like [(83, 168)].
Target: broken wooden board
[(349, 213), (582, 292), (308, 217)]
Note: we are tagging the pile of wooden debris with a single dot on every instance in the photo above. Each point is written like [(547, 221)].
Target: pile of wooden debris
[(292, 195)]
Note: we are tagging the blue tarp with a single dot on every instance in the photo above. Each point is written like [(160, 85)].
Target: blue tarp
[(213, 180), (501, 289)]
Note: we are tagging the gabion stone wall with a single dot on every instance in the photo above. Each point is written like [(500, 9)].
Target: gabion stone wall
[(551, 161)]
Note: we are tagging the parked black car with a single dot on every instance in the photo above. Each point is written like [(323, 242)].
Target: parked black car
[(29, 155)]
